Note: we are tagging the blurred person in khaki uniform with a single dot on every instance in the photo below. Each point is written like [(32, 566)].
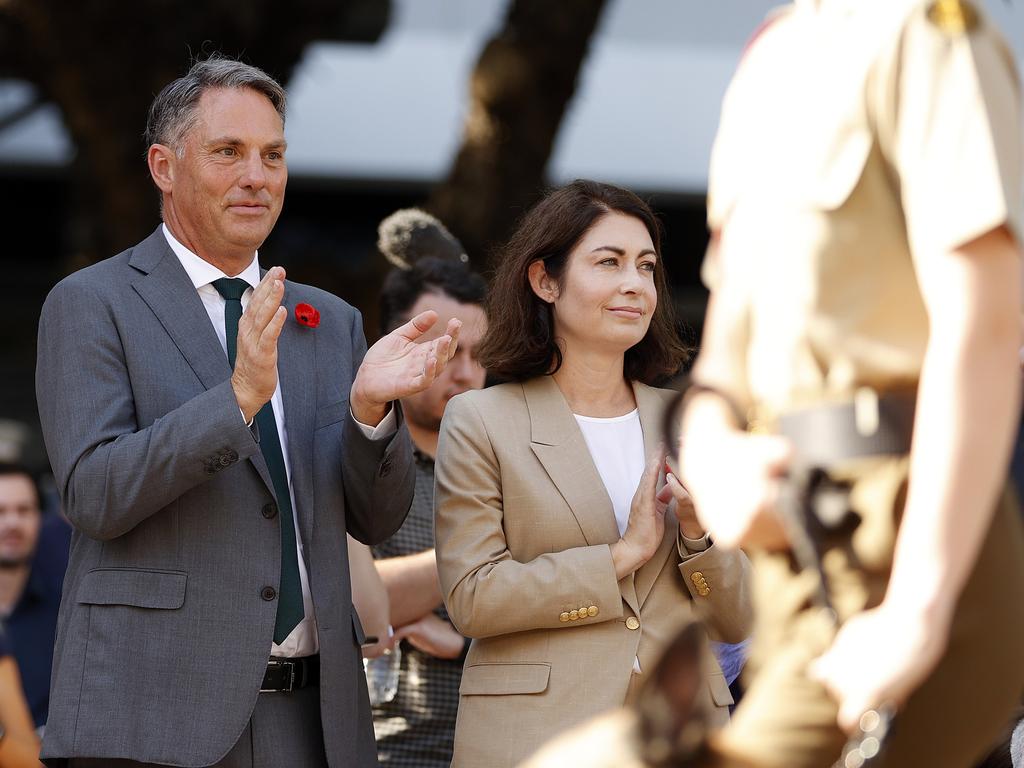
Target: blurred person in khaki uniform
[(865, 210), (552, 551)]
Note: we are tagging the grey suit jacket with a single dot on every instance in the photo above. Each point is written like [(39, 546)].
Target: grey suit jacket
[(164, 632)]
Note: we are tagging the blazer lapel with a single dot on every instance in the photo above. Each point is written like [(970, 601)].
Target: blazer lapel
[(165, 287), (558, 443), (296, 369), (651, 405)]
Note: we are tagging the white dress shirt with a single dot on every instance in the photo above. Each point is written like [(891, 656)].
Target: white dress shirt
[(303, 638)]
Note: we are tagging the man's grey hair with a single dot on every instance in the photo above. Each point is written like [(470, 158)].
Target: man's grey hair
[(173, 112)]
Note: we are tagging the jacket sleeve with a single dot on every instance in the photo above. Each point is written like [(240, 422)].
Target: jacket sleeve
[(719, 582), (379, 476), (486, 590), (113, 474)]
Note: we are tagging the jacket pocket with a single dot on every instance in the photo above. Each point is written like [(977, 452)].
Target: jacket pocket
[(720, 693), (503, 679), (133, 586), (330, 414)]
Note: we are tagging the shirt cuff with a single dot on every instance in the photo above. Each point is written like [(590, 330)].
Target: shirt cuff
[(694, 546), (388, 426), (248, 423)]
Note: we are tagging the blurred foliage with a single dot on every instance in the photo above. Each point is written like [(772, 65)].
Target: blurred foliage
[(520, 88), (101, 62)]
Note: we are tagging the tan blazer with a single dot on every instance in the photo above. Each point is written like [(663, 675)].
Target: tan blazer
[(523, 524)]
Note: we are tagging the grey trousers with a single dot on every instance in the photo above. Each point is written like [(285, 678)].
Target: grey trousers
[(283, 732)]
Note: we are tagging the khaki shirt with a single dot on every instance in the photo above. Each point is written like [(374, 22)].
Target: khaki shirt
[(857, 136)]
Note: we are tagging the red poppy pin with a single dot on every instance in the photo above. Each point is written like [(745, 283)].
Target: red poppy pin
[(307, 315)]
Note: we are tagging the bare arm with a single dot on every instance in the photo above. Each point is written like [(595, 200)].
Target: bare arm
[(368, 595), (966, 419), (412, 586), (19, 747), (966, 416)]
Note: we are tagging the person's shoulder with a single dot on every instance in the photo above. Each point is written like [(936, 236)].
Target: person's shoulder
[(333, 309), (318, 297), (104, 279), (496, 401), (946, 18), (666, 395)]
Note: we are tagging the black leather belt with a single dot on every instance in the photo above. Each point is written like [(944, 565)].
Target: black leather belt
[(290, 674), (870, 425)]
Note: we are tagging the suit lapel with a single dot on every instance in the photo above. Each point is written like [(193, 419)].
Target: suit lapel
[(167, 290), (651, 405), (558, 443), (296, 369)]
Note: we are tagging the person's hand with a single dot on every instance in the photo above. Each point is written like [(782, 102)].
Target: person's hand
[(255, 376), (432, 634), (397, 366), (683, 508), (646, 525), (382, 646), (879, 657), (733, 478)]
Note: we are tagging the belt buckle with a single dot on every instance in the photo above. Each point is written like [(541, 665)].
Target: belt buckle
[(275, 664)]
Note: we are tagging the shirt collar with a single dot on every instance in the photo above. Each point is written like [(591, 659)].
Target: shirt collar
[(202, 272)]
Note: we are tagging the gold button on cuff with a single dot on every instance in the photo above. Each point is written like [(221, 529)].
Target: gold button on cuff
[(632, 623), (704, 591), (574, 615), (696, 577), (592, 610), (563, 616)]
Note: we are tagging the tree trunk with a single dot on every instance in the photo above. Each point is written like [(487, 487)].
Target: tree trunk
[(519, 90)]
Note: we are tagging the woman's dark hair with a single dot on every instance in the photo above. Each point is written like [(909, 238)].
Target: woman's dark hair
[(520, 340), (427, 259)]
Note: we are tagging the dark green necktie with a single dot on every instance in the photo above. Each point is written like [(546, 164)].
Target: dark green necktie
[(289, 606)]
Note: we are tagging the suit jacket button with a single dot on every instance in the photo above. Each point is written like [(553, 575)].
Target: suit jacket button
[(225, 460), (696, 577), (232, 455), (574, 615), (385, 467), (563, 616), (592, 611), (268, 593), (632, 623), (269, 510)]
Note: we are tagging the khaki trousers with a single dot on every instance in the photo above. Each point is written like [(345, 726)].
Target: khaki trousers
[(786, 720)]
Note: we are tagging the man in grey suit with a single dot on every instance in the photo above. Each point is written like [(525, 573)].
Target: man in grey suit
[(212, 446)]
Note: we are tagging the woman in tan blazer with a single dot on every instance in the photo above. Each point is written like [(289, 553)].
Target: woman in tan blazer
[(557, 551)]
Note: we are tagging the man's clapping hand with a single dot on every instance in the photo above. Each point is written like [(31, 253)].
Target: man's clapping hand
[(398, 365), (255, 376)]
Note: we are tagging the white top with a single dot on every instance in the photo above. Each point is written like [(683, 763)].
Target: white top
[(303, 639), (617, 448)]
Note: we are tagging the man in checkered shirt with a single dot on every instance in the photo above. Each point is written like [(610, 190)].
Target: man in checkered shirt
[(417, 728)]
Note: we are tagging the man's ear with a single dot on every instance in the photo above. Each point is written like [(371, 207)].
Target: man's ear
[(161, 160), (545, 286)]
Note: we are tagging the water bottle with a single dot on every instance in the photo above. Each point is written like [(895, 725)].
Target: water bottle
[(382, 675)]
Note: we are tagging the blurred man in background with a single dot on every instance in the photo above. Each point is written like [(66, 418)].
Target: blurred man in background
[(417, 727), (33, 558)]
